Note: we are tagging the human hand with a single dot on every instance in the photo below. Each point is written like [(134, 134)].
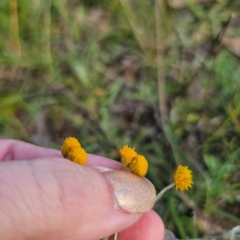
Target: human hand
[(44, 196)]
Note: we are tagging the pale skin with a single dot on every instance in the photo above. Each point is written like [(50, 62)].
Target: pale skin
[(44, 196)]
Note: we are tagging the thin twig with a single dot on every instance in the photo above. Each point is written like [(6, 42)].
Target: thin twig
[(161, 82), (190, 203), (160, 12), (214, 50), (46, 31), (15, 26), (134, 24)]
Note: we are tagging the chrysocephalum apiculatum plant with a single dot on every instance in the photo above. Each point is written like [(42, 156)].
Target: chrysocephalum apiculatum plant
[(132, 162)]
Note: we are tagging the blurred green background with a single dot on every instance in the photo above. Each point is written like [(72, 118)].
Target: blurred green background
[(162, 76)]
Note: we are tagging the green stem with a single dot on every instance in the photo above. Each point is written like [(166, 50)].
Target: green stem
[(164, 190)]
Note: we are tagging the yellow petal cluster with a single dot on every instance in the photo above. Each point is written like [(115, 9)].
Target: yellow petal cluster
[(68, 144), (72, 150), (183, 178), (127, 154), (132, 161), (139, 165)]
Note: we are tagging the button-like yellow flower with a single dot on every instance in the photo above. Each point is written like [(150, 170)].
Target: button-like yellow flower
[(72, 150), (183, 178), (68, 144), (127, 154), (139, 165), (78, 155)]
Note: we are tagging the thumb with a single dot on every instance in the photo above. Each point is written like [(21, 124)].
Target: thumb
[(57, 199)]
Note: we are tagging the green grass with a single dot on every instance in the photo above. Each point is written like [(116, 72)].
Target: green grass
[(97, 71)]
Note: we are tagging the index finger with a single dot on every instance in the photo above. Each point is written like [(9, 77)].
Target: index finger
[(18, 150)]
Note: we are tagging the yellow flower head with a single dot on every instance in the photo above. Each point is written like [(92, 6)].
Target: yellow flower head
[(183, 178), (72, 150), (68, 144), (78, 155), (138, 165), (127, 154)]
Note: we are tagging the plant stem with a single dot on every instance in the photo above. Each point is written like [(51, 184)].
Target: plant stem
[(13, 8), (164, 190), (115, 236)]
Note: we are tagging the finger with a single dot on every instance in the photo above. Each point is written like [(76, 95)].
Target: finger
[(95, 160), (18, 150), (14, 149), (57, 199), (149, 226)]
